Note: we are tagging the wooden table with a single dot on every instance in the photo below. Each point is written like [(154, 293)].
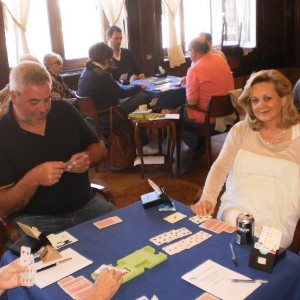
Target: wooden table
[(167, 126)]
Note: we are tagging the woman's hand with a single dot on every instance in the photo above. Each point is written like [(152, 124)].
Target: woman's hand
[(203, 208)]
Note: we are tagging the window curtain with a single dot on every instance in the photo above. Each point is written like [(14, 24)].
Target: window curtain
[(116, 13), (17, 11), (170, 8), (216, 21), (246, 15)]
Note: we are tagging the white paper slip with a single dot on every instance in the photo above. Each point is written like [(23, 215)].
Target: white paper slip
[(51, 275), (61, 239), (172, 116), (159, 160), (215, 279)]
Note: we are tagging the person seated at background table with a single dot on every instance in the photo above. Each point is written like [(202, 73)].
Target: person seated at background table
[(296, 92), (4, 93), (124, 60), (59, 89), (210, 75), (207, 36), (96, 82), (259, 160), (104, 288), (39, 185)]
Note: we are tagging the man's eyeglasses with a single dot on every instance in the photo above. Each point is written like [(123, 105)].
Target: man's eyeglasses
[(58, 62)]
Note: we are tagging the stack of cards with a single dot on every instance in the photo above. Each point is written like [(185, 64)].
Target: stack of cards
[(170, 236), (108, 222), (217, 226), (173, 218), (26, 259), (198, 220), (187, 243), (77, 288)]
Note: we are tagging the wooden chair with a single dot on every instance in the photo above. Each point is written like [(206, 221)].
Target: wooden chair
[(88, 110), (219, 106), (296, 239)]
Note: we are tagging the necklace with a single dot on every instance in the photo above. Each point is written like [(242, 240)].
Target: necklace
[(280, 136)]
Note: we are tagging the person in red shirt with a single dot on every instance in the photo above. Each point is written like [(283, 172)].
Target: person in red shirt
[(210, 75)]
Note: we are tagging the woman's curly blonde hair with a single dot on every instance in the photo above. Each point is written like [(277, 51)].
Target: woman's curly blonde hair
[(284, 89)]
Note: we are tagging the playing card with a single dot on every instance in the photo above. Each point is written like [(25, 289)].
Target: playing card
[(209, 224), (229, 228), (107, 222), (186, 243), (72, 282), (79, 287), (65, 280), (124, 271), (173, 218), (217, 226), (76, 287), (198, 220), (169, 236), (82, 295), (26, 259), (207, 296)]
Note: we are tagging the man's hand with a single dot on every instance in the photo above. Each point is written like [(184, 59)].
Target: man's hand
[(10, 275), (203, 208), (143, 86), (183, 80), (48, 173), (79, 163), (106, 285)]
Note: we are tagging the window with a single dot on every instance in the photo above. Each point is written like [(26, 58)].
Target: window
[(229, 21), (66, 27)]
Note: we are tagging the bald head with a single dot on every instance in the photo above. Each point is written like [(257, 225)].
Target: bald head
[(199, 45)]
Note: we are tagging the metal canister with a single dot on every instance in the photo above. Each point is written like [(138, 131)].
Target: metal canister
[(244, 229)]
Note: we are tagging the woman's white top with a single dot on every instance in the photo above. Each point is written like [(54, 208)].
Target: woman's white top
[(263, 179)]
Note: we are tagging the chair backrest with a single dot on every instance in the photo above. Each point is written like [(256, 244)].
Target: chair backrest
[(220, 106), (86, 106), (88, 110)]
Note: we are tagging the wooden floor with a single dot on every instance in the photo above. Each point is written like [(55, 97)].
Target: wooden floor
[(126, 186)]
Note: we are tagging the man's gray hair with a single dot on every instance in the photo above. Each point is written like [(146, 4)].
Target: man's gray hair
[(28, 72)]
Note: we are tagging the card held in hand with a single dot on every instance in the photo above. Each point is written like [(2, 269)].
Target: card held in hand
[(26, 259), (108, 222)]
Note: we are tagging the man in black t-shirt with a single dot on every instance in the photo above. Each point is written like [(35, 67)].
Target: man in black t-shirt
[(46, 150)]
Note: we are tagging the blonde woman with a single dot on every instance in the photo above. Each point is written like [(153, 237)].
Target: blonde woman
[(259, 160)]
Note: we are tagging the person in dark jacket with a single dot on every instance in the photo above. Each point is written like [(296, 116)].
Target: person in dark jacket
[(97, 83)]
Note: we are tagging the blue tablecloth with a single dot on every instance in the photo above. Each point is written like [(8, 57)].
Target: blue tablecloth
[(174, 97), (108, 245)]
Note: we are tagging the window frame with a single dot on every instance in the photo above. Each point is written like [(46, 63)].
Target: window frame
[(56, 36), (182, 33)]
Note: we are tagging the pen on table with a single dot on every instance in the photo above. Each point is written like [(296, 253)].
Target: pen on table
[(54, 264), (234, 259), (248, 280)]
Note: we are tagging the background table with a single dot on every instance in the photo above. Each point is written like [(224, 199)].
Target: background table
[(108, 245), (174, 97)]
